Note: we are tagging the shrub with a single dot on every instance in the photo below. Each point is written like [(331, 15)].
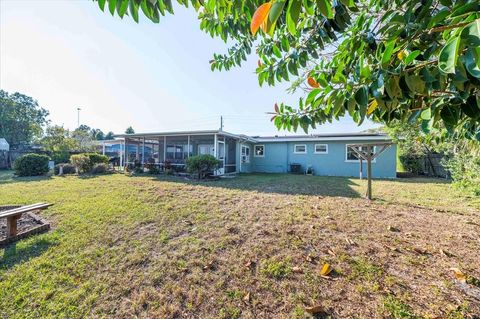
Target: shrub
[(201, 165), (67, 169), (31, 165), (464, 168), (100, 168), (81, 162), (138, 170), (96, 158), (412, 163), (60, 157), (152, 169)]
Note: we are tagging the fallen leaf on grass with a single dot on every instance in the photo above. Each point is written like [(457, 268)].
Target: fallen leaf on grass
[(350, 242), (209, 265), (459, 275), (326, 269), (249, 264), (331, 252), (314, 310), (310, 258), (393, 229), (297, 270), (246, 298), (446, 253), (420, 251), (469, 222), (393, 248), (187, 222)]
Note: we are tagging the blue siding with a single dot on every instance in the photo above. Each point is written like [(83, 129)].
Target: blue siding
[(244, 167), (279, 156)]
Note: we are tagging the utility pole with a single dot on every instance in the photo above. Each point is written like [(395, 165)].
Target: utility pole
[(221, 123), (78, 117)]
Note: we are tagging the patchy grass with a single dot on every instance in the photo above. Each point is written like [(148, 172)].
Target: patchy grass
[(396, 309), (276, 269), (125, 247)]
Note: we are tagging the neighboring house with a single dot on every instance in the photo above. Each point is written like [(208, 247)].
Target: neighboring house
[(325, 154)]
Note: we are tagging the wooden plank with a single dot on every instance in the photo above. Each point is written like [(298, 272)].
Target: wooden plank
[(24, 209)]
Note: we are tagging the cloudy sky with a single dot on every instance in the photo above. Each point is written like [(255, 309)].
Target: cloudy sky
[(154, 77)]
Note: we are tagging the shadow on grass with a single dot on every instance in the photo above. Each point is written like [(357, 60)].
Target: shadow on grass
[(7, 176), (279, 184), (17, 253)]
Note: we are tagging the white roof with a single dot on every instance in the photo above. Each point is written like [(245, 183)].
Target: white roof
[(325, 137), (4, 146), (264, 139)]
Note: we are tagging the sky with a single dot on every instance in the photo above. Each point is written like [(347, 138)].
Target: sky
[(68, 54)]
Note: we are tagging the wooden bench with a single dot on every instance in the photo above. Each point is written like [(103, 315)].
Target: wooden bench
[(14, 214)]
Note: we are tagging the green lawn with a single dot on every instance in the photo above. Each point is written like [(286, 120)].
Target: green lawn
[(248, 247)]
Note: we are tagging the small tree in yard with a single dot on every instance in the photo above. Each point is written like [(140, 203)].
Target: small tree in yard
[(81, 163), (201, 165), (31, 165)]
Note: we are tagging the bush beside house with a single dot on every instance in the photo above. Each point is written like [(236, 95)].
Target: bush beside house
[(67, 169), (202, 165), (90, 163), (81, 163), (31, 165)]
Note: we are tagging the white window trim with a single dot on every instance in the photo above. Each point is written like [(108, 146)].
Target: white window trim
[(295, 148), (315, 149), (247, 157), (357, 161), (255, 150)]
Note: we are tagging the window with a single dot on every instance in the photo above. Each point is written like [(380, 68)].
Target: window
[(245, 154), (321, 149), (300, 149), (351, 155), (259, 151)]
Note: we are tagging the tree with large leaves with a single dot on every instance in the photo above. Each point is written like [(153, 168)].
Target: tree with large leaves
[(386, 60)]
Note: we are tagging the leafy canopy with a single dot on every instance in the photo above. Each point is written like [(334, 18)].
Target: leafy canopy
[(21, 118), (386, 60)]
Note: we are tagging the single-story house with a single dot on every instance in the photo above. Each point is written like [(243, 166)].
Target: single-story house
[(321, 154)]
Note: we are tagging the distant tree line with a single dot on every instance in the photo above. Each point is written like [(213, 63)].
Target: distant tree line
[(24, 122)]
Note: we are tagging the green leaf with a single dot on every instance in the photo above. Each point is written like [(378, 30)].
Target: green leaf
[(449, 115), (361, 96), (415, 83), (325, 8), (471, 34), (275, 11), (134, 10), (449, 55), (276, 51), (101, 4), (112, 4), (409, 59), (293, 13), (387, 54), (348, 3), (439, 17), (426, 114), (393, 87), (122, 6), (471, 107), (472, 61)]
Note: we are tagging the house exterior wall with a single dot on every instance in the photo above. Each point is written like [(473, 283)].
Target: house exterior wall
[(279, 155), (244, 167)]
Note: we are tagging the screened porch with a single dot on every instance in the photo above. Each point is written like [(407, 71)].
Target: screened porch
[(171, 150)]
